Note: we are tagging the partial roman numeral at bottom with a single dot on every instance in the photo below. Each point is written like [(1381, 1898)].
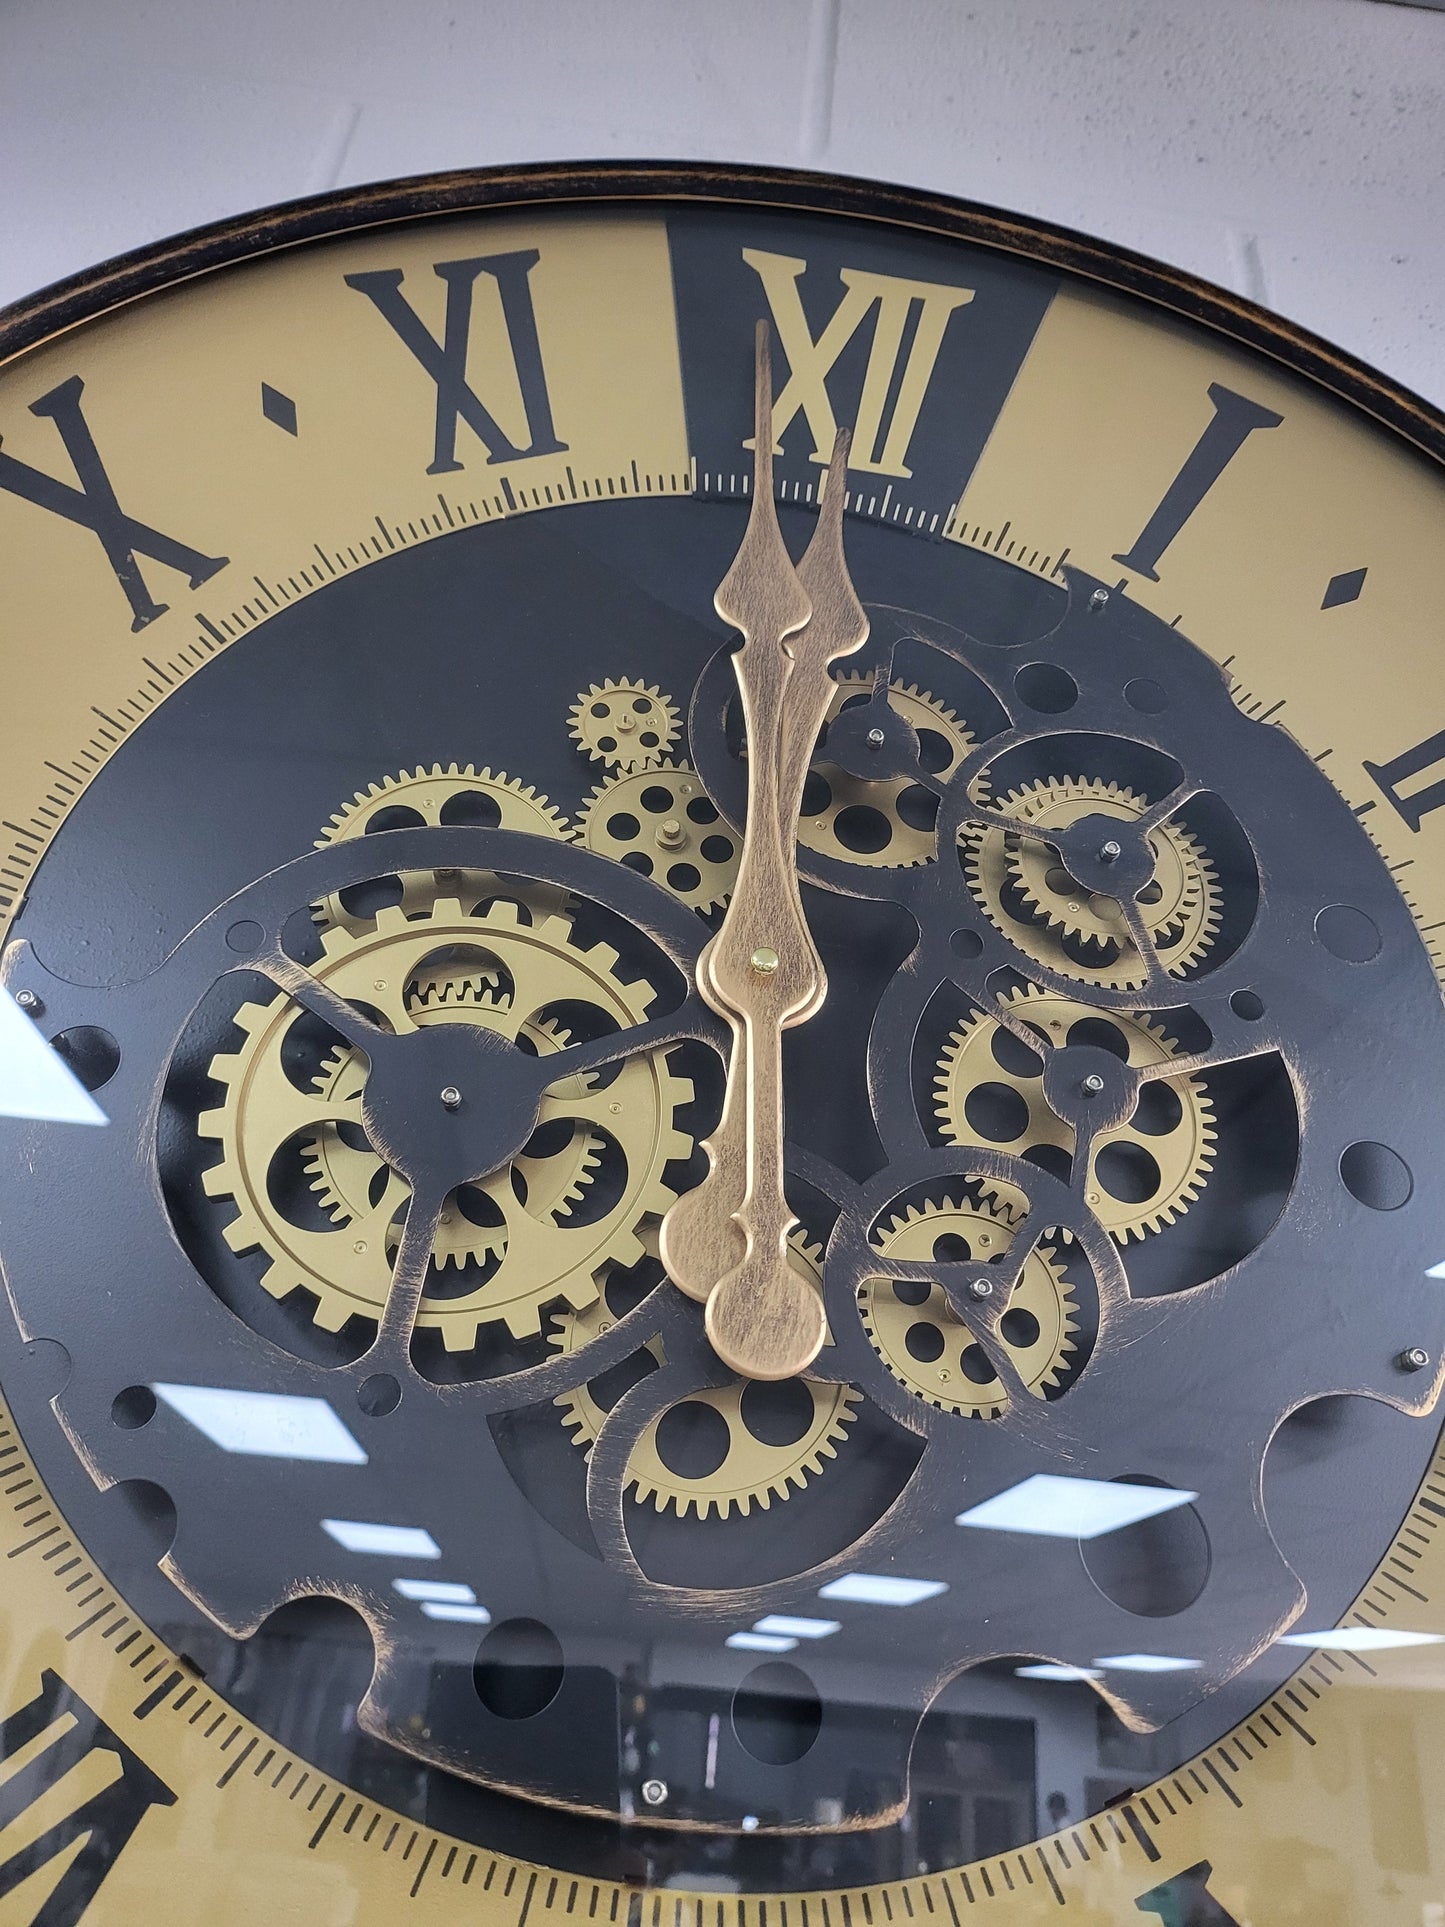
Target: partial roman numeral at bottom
[(1185, 1901), (113, 1792)]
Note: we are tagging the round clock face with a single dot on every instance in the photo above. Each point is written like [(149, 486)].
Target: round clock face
[(738, 1190)]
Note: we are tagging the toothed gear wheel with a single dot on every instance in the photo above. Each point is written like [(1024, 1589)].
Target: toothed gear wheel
[(1031, 898), (502, 973), (915, 1331), (345, 1174), (456, 794), (888, 824), (752, 1471), (1160, 1157), (660, 822), (624, 725)]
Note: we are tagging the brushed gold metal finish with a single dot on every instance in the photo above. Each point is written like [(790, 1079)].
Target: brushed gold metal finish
[(726, 1242)]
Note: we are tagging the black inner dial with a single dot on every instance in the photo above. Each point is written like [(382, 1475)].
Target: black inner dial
[(379, 945)]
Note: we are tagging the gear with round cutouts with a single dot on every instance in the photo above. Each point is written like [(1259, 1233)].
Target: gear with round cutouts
[(886, 823), (990, 1094), (1030, 897), (661, 822), (806, 1418), (624, 724), (442, 797), (923, 1342), (551, 1181), (514, 1242)]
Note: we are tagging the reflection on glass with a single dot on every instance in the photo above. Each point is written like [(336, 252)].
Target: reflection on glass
[(35, 1081), (266, 1425), (1360, 1639), (395, 1542), (1061, 1508), (445, 1592), (1148, 1663), (789, 1627), (1047, 1670), (881, 1589)]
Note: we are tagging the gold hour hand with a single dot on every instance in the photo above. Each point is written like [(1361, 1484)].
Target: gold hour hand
[(761, 596), (726, 1241)]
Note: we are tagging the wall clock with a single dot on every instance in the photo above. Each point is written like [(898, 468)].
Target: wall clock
[(767, 1244)]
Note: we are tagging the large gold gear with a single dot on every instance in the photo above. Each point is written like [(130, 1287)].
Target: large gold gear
[(876, 803), (1169, 1164), (752, 1472), (660, 822), (932, 1351), (624, 724), (344, 1173), (438, 797), (502, 973), (1029, 896)]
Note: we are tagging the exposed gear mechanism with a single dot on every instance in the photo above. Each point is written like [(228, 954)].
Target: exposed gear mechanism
[(885, 824), (423, 798), (624, 725), (990, 1092), (1031, 898), (810, 1417), (517, 1240), (660, 822), (924, 1344)]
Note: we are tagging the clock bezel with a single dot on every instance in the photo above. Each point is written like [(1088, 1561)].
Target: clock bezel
[(82, 297)]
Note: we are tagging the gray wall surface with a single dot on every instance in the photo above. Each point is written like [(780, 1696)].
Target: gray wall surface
[(1291, 149)]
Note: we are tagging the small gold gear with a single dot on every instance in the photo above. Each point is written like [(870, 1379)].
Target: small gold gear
[(1169, 1163), (435, 797), (899, 843), (752, 1472), (502, 973), (925, 1345), (660, 822), (624, 725), (1029, 896)]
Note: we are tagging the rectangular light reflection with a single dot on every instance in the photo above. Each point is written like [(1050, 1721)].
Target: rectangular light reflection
[(445, 1592), (1360, 1639), (392, 1542), (881, 1589), (264, 1425), (1066, 1508)]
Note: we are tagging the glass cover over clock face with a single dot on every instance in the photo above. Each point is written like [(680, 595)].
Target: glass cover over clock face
[(738, 1189)]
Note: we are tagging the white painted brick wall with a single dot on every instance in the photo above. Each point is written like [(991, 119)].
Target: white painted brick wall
[(1292, 149)]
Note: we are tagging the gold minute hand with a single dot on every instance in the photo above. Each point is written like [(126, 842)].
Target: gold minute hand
[(701, 1238), (762, 970)]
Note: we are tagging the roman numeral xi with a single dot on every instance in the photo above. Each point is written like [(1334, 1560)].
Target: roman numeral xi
[(445, 360)]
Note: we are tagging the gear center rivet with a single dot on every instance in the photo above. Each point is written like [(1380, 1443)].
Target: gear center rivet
[(1413, 1359), (875, 738), (451, 1097), (980, 1288), (29, 1002), (1110, 851), (654, 1792), (765, 960), (671, 834), (1092, 1084)]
